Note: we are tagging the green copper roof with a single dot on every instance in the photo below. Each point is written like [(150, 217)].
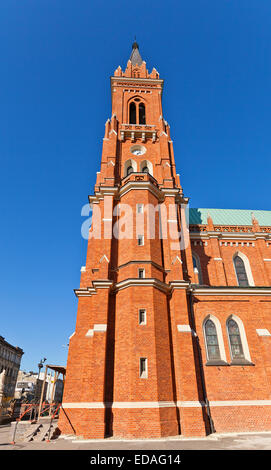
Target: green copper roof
[(229, 216)]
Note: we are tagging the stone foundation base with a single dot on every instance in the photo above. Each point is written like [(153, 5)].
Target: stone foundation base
[(125, 423), (161, 422)]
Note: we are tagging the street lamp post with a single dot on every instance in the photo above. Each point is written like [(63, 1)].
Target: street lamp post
[(40, 365), (42, 391)]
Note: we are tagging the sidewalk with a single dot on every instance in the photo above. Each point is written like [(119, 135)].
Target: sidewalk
[(245, 441)]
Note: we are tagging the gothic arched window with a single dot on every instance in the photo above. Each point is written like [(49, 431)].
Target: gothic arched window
[(129, 170), (197, 268), (212, 345), (137, 112), (142, 118), (132, 113), (194, 262), (130, 166), (240, 270), (146, 167), (235, 340)]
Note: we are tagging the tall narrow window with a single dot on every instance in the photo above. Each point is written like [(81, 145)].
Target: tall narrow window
[(143, 368), (240, 271), (197, 268), (235, 340), (145, 169), (140, 208), (212, 346), (141, 273), (140, 240), (142, 316), (132, 113), (137, 112), (142, 118)]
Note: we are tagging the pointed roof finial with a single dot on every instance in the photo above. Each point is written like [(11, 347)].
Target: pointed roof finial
[(135, 56), (135, 44), (255, 223), (210, 221)]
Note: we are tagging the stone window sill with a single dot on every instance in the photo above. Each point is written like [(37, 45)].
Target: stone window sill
[(241, 362), (216, 363)]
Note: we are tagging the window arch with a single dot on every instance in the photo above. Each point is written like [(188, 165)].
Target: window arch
[(130, 166), (214, 343), (132, 113), (242, 270), (237, 340), (146, 167), (197, 267), (137, 111)]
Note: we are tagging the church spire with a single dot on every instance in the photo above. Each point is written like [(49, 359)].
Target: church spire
[(136, 66), (135, 56)]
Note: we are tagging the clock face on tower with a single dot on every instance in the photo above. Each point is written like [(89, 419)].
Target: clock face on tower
[(138, 150)]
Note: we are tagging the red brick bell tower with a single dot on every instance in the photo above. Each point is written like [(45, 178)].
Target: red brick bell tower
[(132, 367)]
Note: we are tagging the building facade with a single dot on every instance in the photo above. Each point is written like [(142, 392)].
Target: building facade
[(10, 360), (29, 386), (25, 386), (173, 325)]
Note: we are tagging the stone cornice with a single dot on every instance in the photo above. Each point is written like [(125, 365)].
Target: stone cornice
[(89, 291), (230, 290), (170, 192), (85, 292), (146, 282), (252, 236), (180, 284), (150, 185), (155, 265), (229, 232), (103, 191), (164, 287), (136, 81), (196, 290), (141, 185), (131, 282)]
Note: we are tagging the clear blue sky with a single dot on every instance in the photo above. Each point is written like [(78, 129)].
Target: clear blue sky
[(56, 60)]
